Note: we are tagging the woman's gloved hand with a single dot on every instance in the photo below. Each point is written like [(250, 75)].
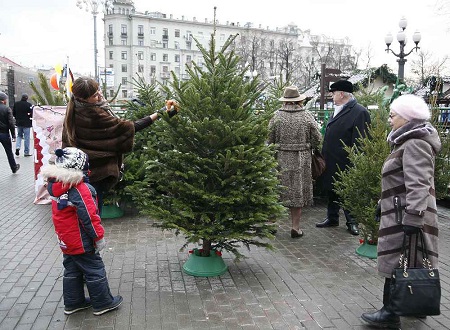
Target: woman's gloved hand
[(172, 107), (378, 212), (410, 230)]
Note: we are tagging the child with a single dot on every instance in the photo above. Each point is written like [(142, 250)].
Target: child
[(80, 233)]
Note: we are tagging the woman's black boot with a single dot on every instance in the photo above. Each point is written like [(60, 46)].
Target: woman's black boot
[(382, 318)]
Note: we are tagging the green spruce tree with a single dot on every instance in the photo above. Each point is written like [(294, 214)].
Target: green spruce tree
[(211, 176)]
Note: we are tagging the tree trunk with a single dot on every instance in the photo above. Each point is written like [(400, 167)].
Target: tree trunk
[(206, 248)]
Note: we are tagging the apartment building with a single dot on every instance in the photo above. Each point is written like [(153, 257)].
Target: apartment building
[(154, 44)]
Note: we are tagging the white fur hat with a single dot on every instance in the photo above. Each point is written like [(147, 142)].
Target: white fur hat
[(71, 158), (410, 107)]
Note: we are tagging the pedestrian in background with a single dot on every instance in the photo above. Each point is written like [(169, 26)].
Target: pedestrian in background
[(348, 123), (80, 233), (92, 126), (23, 113), (407, 181), (7, 131), (295, 133)]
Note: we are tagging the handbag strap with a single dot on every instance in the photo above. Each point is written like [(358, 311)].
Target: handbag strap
[(404, 256)]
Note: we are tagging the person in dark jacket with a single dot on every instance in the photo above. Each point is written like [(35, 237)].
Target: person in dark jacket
[(80, 233), (93, 127), (23, 112), (7, 130), (408, 201), (349, 122)]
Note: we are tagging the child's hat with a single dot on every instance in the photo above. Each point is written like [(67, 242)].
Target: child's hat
[(71, 157)]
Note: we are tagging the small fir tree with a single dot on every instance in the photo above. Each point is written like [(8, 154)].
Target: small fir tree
[(212, 177), (442, 164)]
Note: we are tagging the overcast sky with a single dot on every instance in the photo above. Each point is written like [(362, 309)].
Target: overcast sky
[(46, 33)]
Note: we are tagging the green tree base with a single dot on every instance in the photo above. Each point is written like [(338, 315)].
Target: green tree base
[(367, 250), (198, 265)]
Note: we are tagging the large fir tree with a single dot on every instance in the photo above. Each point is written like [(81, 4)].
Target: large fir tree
[(211, 175)]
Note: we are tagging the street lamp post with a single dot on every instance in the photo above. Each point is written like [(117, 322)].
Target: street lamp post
[(401, 38), (93, 6)]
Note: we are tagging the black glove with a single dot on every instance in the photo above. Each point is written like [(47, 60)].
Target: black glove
[(378, 212), (172, 113), (410, 230)]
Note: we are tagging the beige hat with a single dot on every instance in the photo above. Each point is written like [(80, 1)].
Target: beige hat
[(291, 94)]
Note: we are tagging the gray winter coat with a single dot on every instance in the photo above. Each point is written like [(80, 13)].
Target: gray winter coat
[(295, 132), (408, 181)]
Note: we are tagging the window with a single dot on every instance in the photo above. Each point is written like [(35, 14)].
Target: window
[(140, 30), (140, 68), (153, 57), (124, 80), (177, 45), (123, 30), (188, 58), (177, 58), (123, 42), (141, 42), (110, 29), (111, 93), (165, 58), (177, 33), (200, 35), (124, 93), (140, 55), (152, 70), (165, 33), (110, 41), (123, 56), (111, 57), (124, 68), (165, 44), (152, 30)]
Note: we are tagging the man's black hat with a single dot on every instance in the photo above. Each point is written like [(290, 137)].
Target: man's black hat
[(342, 86)]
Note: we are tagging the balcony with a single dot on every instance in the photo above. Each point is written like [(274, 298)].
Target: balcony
[(165, 75), (141, 35), (110, 34), (165, 37), (124, 35)]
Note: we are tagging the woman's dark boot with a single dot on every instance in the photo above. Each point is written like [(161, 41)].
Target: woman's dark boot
[(383, 318)]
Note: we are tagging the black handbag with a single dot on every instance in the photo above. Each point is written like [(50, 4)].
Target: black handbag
[(415, 291), (317, 164)]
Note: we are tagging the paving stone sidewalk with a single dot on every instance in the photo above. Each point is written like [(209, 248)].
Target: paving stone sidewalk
[(315, 282)]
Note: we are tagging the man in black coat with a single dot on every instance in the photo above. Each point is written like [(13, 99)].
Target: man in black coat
[(23, 112), (349, 122), (7, 131)]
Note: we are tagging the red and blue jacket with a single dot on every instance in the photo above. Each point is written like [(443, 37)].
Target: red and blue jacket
[(74, 210)]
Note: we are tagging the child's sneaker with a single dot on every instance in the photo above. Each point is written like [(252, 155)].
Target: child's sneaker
[(117, 300), (71, 310)]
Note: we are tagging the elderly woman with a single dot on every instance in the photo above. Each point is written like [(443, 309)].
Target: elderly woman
[(295, 132), (408, 203), (91, 125)]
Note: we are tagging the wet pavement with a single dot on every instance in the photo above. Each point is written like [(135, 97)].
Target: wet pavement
[(315, 282)]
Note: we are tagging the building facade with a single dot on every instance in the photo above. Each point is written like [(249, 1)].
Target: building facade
[(154, 45)]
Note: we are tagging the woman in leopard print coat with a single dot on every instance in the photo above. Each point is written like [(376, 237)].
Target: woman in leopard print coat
[(295, 133)]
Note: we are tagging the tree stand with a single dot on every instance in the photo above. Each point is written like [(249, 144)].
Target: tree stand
[(111, 211), (198, 265), (367, 250)]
